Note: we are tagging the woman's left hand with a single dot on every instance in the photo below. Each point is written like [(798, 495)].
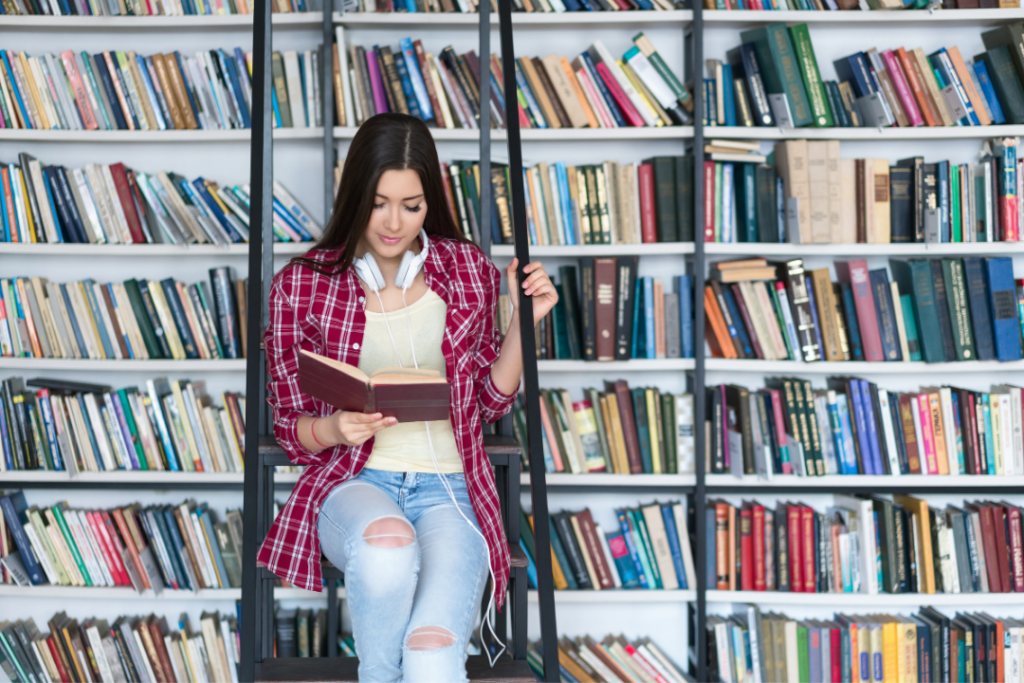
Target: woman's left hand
[(537, 285)]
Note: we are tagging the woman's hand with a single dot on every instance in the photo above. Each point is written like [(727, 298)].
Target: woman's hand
[(537, 285), (349, 429)]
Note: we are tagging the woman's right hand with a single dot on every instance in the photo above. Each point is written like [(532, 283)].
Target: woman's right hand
[(350, 429)]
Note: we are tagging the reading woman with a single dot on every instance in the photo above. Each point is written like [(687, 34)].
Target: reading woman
[(408, 510)]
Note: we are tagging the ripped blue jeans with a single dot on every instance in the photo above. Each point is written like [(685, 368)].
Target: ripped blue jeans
[(414, 572)]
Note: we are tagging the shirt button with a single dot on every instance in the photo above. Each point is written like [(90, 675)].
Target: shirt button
[(362, 299), (316, 509), (355, 345)]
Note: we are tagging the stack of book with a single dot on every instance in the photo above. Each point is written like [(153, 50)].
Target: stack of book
[(137, 320), (76, 427), (156, 547), (301, 632), (836, 201), (620, 431), (855, 427), (141, 8), (595, 90), (613, 660), (866, 545), (649, 550), (927, 646), (113, 204), (757, 85), (930, 309), (614, 314), (132, 649)]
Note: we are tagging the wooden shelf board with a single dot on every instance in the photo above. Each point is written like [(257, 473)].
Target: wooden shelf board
[(230, 365), (865, 482), (859, 600), (860, 367), (977, 17), (847, 134), (573, 251), (852, 250), (137, 250)]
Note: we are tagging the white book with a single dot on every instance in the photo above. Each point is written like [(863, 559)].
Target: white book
[(229, 433), (866, 547), (350, 102), (914, 408), (109, 230), (308, 74), (209, 80), (464, 120), (624, 83), (890, 432), (207, 115), (1006, 426), (195, 535), (684, 545), (122, 307), (43, 201), (294, 82), (650, 77), (147, 667), (607, 552), (93, 227), (46, 98), (117, 210), (949, 430), (94, 546), (40, 551), (101, 110), (118, 446), (296, 210), (59, 84), (96, 643), (84, 549)]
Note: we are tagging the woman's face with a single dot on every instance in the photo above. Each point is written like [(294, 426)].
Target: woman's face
[(399, 209)]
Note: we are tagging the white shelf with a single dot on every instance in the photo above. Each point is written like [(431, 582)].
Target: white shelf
[(122, 593), (152, 479), (573, 251), (977, 17), (519, 19), (859, 600), (239, 22), (635, 365), (229, 365), (619, 595), (922, 133), (866, 482), (136, 250), (552, 135), (603, 479), (860, 367), (853, 250), (169, 136)]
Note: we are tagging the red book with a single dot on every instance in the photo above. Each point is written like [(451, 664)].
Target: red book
[(746, 548), (604, 309), (58, 662), (629, 434), (524, 120), (807, 552), (721, 541), (1002, 547), (648, 217), (1016, 542), (709, 201), (626, 107), (856, 274), (836, 658), (78, 89), (747, 322), (796, 581), (161, 650), (105, 550), (124, 194), (780, 425), (988, 544), (757, 511), (972, 416), (5, 175), (132, 550)]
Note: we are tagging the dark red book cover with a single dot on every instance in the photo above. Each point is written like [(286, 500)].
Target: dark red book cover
[(161, 650), (746, 548), (604, 307), (124, 193), (1002, 547), (796, 549), (778, 414), (836, 657), (1016, 543), (757, 511), (709, 201), (625, 401), (856, 274), (593, 544), (407, 394), (648, 215), (988, 543), (808, 550), (909, 435)]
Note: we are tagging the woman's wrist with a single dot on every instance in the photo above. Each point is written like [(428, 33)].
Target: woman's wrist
[(312, 432)]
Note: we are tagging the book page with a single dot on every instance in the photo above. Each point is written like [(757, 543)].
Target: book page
[(406, 376)]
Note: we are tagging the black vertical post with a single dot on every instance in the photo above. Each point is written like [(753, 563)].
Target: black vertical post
[(696, 65), (538, 484), (261, 176), (327, 110), (485, 127)]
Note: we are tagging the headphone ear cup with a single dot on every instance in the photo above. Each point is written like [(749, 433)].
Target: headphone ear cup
[(407, 270), (368, 271)]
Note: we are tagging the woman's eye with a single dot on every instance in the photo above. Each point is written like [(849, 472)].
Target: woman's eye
[(378, 206), (414, 209)]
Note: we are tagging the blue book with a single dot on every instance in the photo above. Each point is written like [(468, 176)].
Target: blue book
[(147, 84), (746, 203), (885, 314), (175, 547), (990, 445), (121, 424), (531, 568), (981, 71), (673, 544), (230, 68), (53, 211), (214, 206), (572, 5), (814, 315), (410, 93), (1003, 308), (869, 418), (627, 535), (728, 95), (961, 88), (684, 285), (848, 456), (942, 173), (5, 434), (13, 507), (106, 79), (568, 215), (649, 334), (277, 110), (623, 562), (854, 69), (118, 76), (74, 320), (852, 326), (177, 312), (710, 557), (281, 211), (609, 101), (741, 330), (419, 87), (6, 235), (639, 331), (560, 556), (531, 102), (168, 570), (189, 88), (496, 91), (862, 428), (17, 93), (92, 303), (836, 429), (780, 209)]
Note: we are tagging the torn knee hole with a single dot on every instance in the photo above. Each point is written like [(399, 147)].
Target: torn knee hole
[(389, 532), (430, 638)]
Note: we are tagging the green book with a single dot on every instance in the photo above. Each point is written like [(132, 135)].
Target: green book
[(954, 204), (665, 190), (746, 202), (643, 433), (910, 325), (668, 422), (915, 278), (229, 554), (63, 526), (563, 350), (1005, 82), (959, 313), (281, 89), (129, 418), (602, 434), (661, 67), (41, 444), (651, 566), (780, 68), (808, 63), (142, 319), (803, 651), (560, 557), (684, 197), (567, 277)]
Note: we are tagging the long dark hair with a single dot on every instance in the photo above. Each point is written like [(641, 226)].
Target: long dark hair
[(385, 142)]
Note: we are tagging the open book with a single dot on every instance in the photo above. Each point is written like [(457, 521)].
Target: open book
[(408, 394)]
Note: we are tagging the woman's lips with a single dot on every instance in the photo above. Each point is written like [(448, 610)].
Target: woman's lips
[(390, 241)]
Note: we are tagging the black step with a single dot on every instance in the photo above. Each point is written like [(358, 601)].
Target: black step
[(341, 669), (502, 450)]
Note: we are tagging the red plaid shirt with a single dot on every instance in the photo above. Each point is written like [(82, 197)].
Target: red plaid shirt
[(325, 315)]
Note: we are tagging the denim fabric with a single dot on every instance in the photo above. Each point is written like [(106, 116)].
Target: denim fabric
[(436, 581)]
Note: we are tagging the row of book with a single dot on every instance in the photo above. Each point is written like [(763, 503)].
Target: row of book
[(612, 660), (139, 319), (469, 6), (621, 430), (155, 547), (650, 549), (143, 8), (749, 646), (130, 649), (855, 427), (302, 632), (758, 85), (866, 545), (113, 204), (935, 310), (804, 192), (76, 427), (595, 90)]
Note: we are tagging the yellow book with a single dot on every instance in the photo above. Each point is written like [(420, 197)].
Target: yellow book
[(34, 91), (83, 312), (163, 311), (909, 627), (556, 569), (901, 649), (222, 580), (584, 206), (890, 662), (935, 408), (620, 437), (919, 508), (186, 426), (610, 435), (28, 207), (652, 428), (997, 433)]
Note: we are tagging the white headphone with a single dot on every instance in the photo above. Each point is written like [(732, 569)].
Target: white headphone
[(368, 271)]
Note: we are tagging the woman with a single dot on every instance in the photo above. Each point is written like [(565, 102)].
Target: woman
[(371, 497)]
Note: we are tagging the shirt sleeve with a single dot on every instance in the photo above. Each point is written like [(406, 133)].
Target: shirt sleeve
[(493, 403), (282, 342)]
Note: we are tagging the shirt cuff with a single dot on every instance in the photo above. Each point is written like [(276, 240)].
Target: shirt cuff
[(493, 402), (286, 430)]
